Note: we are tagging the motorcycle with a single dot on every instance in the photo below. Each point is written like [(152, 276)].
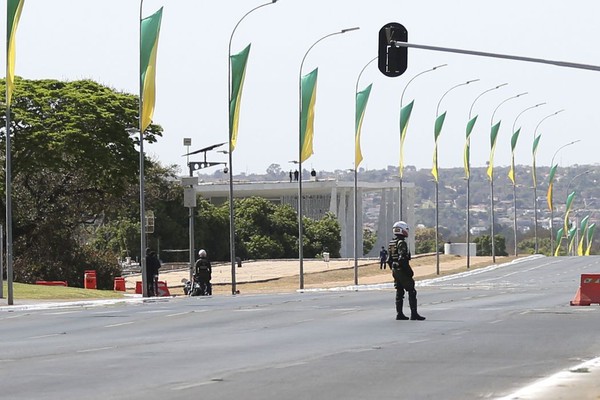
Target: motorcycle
[(196, 288)]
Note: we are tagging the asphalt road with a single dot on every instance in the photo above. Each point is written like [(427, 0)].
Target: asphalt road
[(487, 334)]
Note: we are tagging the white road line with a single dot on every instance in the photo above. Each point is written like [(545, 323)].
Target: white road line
[(95, 349), (45, 336), (120, 324), (537, 389)]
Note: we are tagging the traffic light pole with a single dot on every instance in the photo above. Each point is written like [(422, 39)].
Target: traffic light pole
[(566, 64)]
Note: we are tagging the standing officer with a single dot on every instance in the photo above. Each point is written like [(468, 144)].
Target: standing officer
[(398, 260)]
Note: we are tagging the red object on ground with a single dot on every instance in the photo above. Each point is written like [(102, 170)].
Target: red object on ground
[(589, 291), (119, 284), (89, 279), (52, 283), (163, 290)]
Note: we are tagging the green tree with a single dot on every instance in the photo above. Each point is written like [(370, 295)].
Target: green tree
[(425, 240), (74, 167), (322, 235), (369, 239), (484, 245)]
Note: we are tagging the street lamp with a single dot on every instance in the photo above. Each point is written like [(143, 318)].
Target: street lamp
[(491, 171), (468, 167), (300, 224), (231, 145), (514, 177), (536, 140), (403, 129), (551, 195), (355, 241), (435, 160)]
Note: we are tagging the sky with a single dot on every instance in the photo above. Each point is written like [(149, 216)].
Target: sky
[(85, 39)]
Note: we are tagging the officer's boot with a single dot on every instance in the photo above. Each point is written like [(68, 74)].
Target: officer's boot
[(399, 314), (414, 315)]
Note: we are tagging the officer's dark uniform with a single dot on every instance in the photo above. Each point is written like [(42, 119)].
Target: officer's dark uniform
[(398, 260), (203, 276)]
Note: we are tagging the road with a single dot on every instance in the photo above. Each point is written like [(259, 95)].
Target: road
[(488, 333)]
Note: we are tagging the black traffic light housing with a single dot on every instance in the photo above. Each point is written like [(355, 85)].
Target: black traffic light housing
[(393, 60)]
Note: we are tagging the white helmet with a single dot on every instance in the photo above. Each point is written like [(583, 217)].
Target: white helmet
[(400, 228), (202, 253)]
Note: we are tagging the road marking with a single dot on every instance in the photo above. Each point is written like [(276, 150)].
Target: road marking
[(496, 321), (120, 324), (46, 336), (194, 385), (537, 389), (95, 349)]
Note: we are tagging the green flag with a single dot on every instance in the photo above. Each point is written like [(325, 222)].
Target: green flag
[(493, 137), (513, 144), (536, 142), (559, 235), (583, 228), (13, 13), (404, 118), (361, 105), (308, 92), (550, 184), (568, 209), (238, 73), (467, 152), (149, 32), (571, 237), (439, 123), (590, 238)]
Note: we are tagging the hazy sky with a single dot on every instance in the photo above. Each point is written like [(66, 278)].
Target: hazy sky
[(75, 39)]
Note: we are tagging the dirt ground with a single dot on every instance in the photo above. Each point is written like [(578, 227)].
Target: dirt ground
[(369, 273)]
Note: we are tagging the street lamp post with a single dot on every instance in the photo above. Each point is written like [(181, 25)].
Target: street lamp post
[(231, 207), (533, 172), (300, 224), (468, 174), (355, 241), (491, 176), (401, 170), (515, 177), (551, 203), (437, 225)]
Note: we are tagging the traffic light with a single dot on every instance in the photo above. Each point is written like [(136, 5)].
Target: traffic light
[(393, 60)]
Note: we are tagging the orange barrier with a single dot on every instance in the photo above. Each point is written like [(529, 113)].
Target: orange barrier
[(52, 283), (89, 279), (589, 291), (163, 290), (119, 284)]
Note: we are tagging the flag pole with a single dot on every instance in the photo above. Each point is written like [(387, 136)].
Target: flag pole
[(142, 180)]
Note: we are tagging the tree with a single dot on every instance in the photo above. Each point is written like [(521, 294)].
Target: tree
[(425, 240), (484, 245), (74, 166), (322, 235), (369, 239)]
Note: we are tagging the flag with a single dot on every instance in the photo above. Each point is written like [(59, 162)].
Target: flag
[(467, 152), (568, 209), (513, 144), (559, 235), (308, 94), (149, 32), (13, 13), (536, 142), (238, 73), (439, 123), (571, 236), (584, 227), (361, 105), (550, 184), (493, 137), (404, 118), (590, 237)]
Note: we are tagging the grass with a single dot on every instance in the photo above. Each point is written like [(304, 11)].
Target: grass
[(42, 292)]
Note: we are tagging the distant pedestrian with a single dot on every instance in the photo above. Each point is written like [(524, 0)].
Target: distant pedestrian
[(296, 175), (291, 175), (152, 267), (382, 257), (203, 273)]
